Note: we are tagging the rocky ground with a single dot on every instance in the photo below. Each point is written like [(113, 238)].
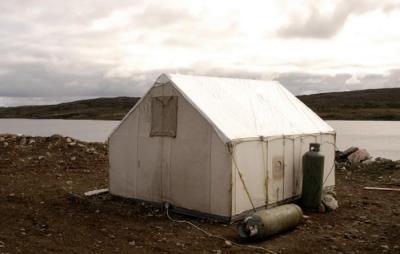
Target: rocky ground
[(42, 209)]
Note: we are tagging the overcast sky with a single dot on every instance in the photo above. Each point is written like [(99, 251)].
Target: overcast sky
[(53, 51)]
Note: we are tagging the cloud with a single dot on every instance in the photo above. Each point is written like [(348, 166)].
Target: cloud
[(305, 83), (54, 87), (352, 80), (323, 25), (52, 50), (50, 82)]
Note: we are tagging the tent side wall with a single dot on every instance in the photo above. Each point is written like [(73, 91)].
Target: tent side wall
[(191, 171), (271, 170)]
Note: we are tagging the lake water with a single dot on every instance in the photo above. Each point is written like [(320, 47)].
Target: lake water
[(86, 130), (380, 138)]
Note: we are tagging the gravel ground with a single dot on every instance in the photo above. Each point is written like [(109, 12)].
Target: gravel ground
[(42, 209)]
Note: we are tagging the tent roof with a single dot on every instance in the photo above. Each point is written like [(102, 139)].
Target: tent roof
[(244, 108)]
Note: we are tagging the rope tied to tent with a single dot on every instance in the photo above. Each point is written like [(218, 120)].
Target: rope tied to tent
[(231, 152), (216, 236)]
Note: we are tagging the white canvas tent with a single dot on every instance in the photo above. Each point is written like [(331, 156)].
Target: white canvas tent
[(216, 146)]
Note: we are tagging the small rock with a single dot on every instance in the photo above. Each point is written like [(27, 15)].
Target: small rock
[(328, 237), (2, 139), (330, 203), (368, 161), (227, 244), (41, 157), (217, 251), (347, 235), (111, 236), (5, 144), (334, 247), (72, 144), (91, 150), (73, 158), (31, 142), (132, 243), (383, 160), (23, 141), (69, 182), (385, 247), (68, 139)]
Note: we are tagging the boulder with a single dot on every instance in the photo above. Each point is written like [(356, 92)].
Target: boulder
[(349, 151), (342, 156), (359, 156)]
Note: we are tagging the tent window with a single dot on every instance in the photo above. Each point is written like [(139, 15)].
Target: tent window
[(164, 116)]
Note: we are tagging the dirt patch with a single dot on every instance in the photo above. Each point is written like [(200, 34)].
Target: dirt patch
[(42, 209)]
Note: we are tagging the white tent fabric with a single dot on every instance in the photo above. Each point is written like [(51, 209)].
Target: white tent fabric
[(226, 172), (241, 109)]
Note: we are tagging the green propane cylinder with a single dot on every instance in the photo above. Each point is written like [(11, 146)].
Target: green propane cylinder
[(264, 223), (313, 172)]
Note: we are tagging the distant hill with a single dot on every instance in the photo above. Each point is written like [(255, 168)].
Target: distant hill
[(99, 108), (373, 104)]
